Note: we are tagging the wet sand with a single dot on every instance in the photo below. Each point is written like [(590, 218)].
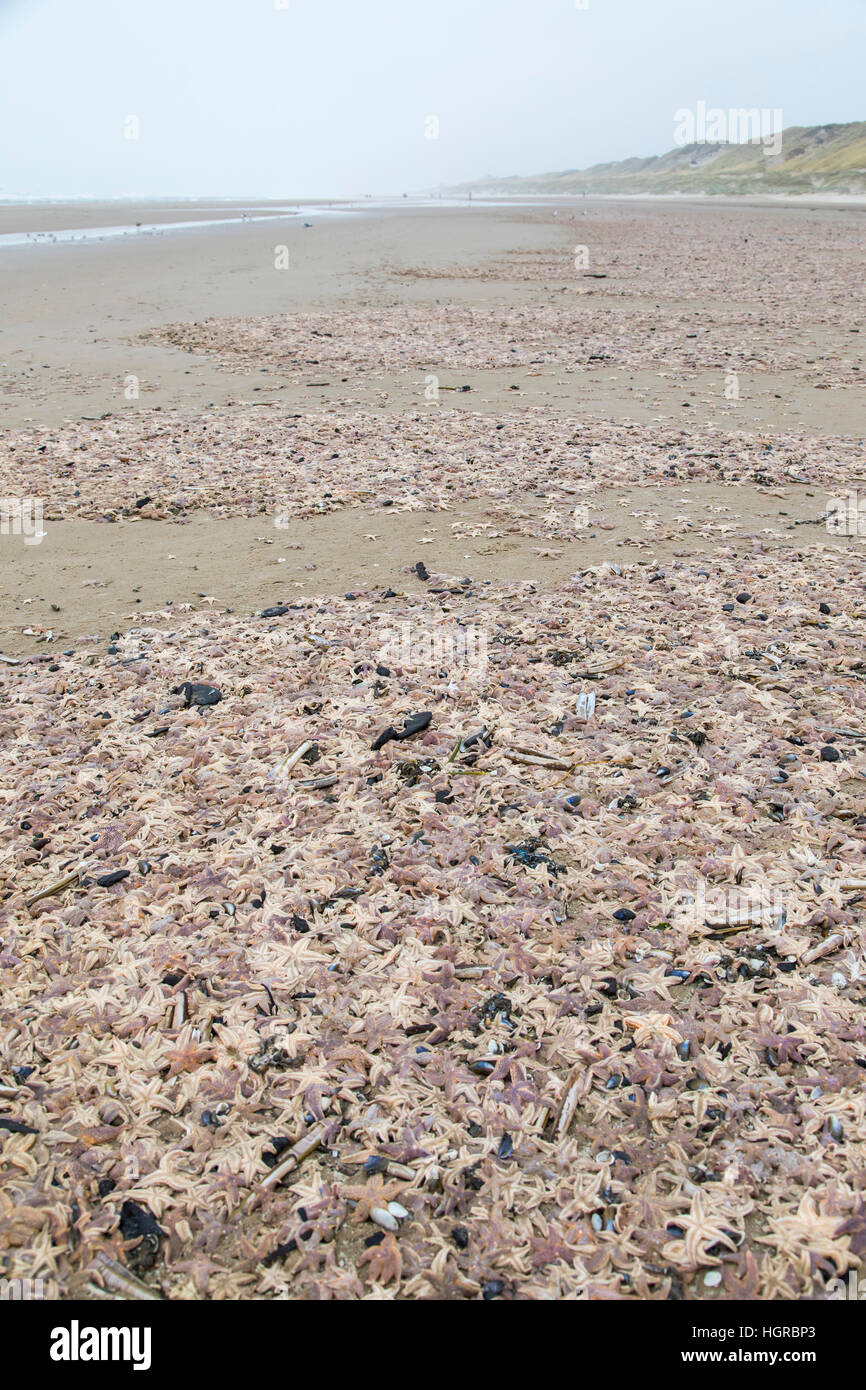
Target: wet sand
[(76, 328), (74, 314), (90, 577)]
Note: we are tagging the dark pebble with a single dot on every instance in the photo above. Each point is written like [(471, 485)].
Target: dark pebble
[(492, 1289), (198, 694), (415, 724), (270, 1157), (829, 754), (106, 880), (137, 1221)]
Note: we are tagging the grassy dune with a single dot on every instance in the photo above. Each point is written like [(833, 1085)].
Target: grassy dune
[(826, 159)]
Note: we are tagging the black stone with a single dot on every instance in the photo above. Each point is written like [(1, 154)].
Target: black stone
[(415, 724), (106, 880), (492, 1289), (198, 694)]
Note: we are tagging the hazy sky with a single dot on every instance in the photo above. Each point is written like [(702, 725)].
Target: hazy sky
[(319, 97)]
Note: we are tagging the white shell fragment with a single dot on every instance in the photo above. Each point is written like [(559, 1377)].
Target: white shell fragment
[(384, 1218)]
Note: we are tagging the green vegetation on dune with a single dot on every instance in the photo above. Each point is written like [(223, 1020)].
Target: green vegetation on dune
[(810, 159)]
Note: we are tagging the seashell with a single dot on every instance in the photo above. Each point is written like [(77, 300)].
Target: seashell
[(585, 707), (384, 1218)]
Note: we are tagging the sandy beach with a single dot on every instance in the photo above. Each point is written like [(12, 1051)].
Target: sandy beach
[(86, 339), (434, 707)]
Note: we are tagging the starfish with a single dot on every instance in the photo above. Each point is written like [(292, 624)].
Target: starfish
[(200, 1268), (651, 1026), (385, 1261), (701, 1232), (189, 1055), (375, 1193), (807, 1232)]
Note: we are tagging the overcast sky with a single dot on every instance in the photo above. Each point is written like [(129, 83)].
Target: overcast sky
[(331, 97)]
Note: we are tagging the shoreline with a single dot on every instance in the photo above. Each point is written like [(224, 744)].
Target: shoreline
[(80, 214)]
